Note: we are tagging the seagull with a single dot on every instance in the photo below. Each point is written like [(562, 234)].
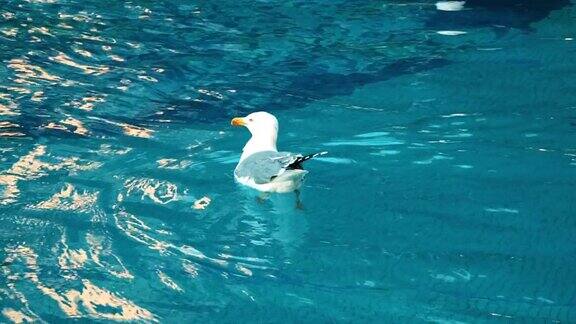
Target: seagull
[(261, 166)]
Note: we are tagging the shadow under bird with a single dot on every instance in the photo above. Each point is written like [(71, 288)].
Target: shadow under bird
[(261, 166)]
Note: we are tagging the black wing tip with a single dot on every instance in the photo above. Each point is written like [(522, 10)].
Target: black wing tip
[(297, 164)]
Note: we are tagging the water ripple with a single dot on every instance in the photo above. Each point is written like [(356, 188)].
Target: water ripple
[(447, 193)]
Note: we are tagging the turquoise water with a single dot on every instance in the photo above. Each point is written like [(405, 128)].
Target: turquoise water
[(447, 195)]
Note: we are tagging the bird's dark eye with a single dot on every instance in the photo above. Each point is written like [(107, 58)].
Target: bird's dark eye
[(250, 119)]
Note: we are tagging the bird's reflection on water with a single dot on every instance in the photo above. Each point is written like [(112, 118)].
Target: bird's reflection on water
[(277, 215)]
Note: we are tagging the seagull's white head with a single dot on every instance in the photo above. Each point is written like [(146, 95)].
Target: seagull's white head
[(264, 129), (258, 123)]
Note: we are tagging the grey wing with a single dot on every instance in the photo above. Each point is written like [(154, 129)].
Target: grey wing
[(263, 167)]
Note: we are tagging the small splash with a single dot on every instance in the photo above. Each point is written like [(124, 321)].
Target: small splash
[(450, 5)]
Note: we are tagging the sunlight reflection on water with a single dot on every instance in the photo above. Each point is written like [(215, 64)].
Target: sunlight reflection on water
[(448, 179)]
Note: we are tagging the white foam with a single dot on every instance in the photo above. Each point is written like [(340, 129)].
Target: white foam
[(450, 5), (451, 32)]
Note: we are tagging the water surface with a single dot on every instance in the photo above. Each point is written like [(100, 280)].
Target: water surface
[(447, 195)]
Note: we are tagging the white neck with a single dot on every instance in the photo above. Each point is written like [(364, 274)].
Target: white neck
[(259, 143)]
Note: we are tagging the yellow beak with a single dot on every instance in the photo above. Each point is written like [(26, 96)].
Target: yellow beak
[(238, 121)]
